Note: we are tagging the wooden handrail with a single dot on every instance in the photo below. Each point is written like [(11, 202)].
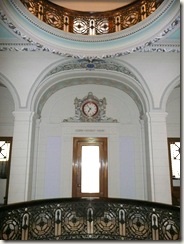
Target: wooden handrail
[(89, 219)]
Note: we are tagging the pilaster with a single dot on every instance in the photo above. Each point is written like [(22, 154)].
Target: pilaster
[(157, 162), (22, 157)]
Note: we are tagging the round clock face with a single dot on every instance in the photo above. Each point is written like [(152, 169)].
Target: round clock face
[(90, 109)]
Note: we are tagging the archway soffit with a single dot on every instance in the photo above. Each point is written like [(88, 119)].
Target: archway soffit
[(49, 88), (172, 85), (96, 68), (12, 91)]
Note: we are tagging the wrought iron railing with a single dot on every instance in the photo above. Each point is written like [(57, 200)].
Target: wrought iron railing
[(91, 23), (89, 219)]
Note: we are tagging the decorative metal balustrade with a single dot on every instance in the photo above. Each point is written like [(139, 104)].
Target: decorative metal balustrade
[(89, 219), (91, 23)]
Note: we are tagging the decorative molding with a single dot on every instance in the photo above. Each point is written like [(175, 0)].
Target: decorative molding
[(92, 64), (149, 46), (105, 82), (18, 47), (100, 115), (32, 48), (153, 48), (18, 6)]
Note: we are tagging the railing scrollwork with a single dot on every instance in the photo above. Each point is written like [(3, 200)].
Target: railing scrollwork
[(91, 23), (89, 219)]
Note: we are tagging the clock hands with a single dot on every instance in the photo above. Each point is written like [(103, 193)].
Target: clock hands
[(89, 108)]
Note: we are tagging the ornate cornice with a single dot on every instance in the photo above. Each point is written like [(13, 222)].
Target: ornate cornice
[(32, 48), (96, 38), (31, 45)]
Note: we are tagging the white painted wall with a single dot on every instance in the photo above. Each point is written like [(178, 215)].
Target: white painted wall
[(123, 136), (6, 126), (6, 116), (157, 70), (24, 71), (173, 120), (174, 117)]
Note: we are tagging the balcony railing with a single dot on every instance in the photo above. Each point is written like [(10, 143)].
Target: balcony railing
[(89, 219), (91, 23)]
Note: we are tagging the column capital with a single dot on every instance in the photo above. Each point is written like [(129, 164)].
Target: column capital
[(155, 116), (22, 115)]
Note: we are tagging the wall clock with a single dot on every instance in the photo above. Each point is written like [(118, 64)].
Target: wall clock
[(90, 108)]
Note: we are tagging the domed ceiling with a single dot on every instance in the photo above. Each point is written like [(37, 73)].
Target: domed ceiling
[(94, 5), (21, 30)]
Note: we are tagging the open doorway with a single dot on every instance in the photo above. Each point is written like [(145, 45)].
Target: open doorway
[(90, 169)]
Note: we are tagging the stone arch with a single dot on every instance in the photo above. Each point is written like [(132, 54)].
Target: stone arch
[(175, 82), (77, 77), (11, 89)]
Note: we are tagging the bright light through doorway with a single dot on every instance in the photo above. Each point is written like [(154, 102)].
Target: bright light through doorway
[(90, 169)]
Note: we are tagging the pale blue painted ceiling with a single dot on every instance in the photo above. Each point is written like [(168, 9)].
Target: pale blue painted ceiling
[(175, 35), (8, 35), (11, 34), (4, 33)]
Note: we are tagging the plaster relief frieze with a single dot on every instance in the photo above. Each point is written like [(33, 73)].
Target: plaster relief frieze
[(92, 64)]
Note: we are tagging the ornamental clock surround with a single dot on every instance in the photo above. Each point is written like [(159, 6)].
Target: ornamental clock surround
[(90, 109)]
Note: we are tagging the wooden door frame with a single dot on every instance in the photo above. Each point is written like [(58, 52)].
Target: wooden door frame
[(8, 139), (174, 189), (78, 142)]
